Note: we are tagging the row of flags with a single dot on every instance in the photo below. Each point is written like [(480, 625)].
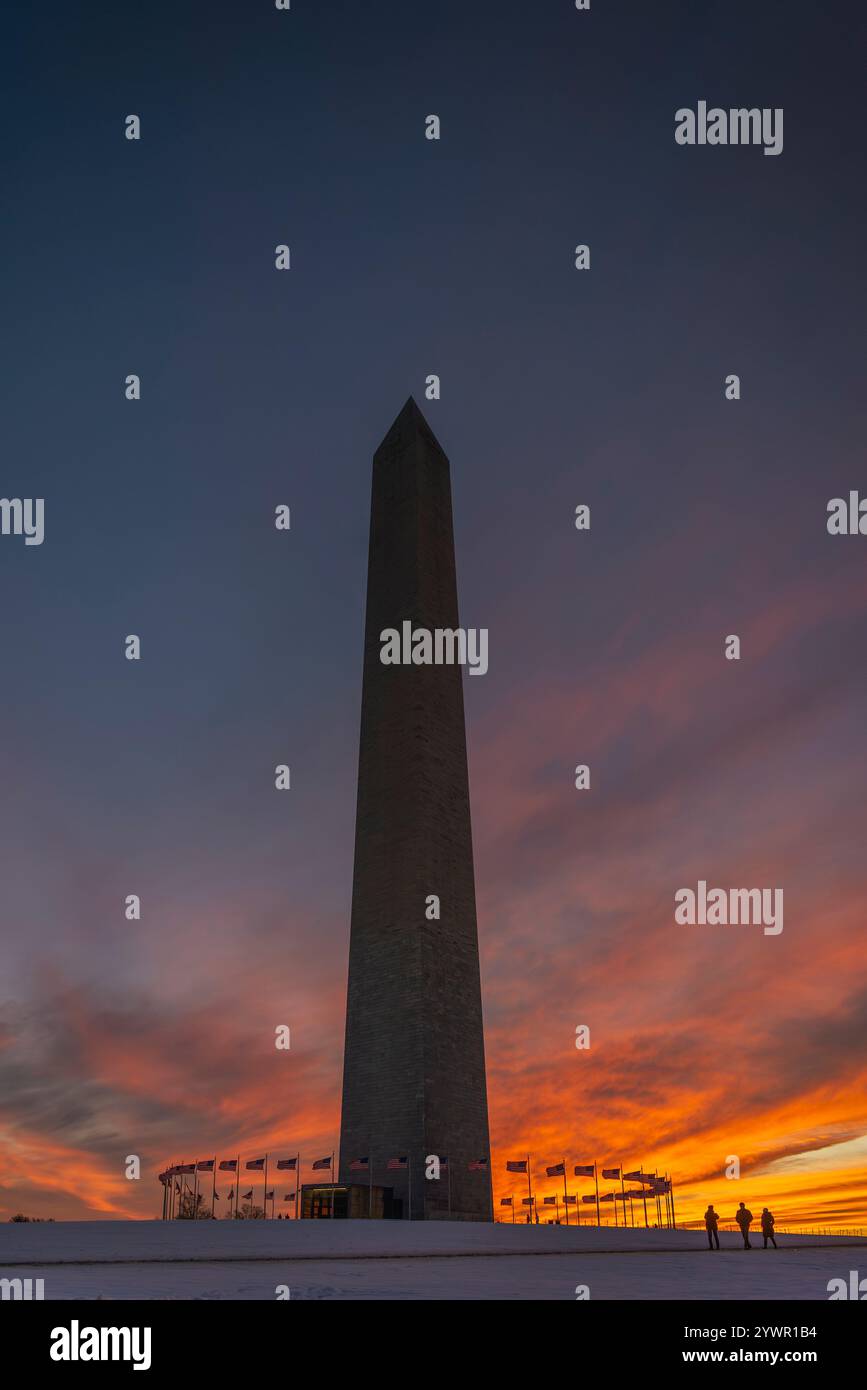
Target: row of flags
[(653, 1185), (258, 1165), (172, 1188), (588, 1170), (230, 1165), (571, 1199)]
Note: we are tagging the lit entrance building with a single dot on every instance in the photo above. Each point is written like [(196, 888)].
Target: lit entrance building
[(351, 1199)]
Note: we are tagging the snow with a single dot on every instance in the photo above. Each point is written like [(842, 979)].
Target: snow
[(412, 1260)]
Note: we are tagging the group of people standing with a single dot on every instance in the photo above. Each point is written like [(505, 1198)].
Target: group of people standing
[(744, 1218)]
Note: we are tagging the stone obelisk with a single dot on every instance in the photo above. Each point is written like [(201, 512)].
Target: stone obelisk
[(414, 1063)]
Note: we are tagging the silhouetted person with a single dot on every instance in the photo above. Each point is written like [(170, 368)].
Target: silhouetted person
[(710, 1221), (768, 1228), (743, 1218)]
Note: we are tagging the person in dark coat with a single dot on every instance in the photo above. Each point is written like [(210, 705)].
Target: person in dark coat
[(743, 1218), (710, 1225), (768, 1228)]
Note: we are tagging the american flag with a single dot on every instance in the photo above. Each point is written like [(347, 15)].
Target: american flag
[(516, 1165), (633, 1177), (558, 1170), (507, 1201), (255, 1165), (228, 1165), (588, 1199), (550, 1201), (570, 1197), (479, 1165), (585, 1170), (246, 1196), (321, 1163), (611, 1172), (607, 1197), (231, 1193), (527, 1201), (290, 1197), (285, 1165), (269, 1196), (397, 1163), (205, 1165), (358, 1165), (186, 1168)]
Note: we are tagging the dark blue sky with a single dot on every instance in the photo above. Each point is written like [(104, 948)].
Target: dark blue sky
[(408, 257)]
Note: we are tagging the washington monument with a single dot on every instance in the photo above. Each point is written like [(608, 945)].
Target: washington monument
[(414, 1063)]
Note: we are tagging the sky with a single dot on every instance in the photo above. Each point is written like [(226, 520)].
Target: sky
[(602, 387)]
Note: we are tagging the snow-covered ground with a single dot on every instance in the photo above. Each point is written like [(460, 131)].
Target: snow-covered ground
[(405, 1260)]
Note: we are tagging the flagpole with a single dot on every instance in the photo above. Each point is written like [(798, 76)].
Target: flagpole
[(214, 1192), (565, 1203), (409, 1179), (644, 1197), (449, 1182), (673, 1221), (237, 1182), (196, 1197), (265, 1192), (333, 1189), (529, 1190), (623, 1190), (369, 1183), (596, 1179), (297, 1183)]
